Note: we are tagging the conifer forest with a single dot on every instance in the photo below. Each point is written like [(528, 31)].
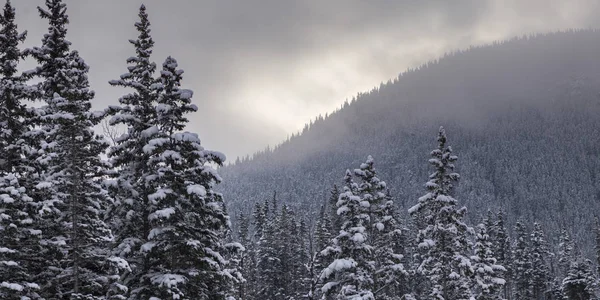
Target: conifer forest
[(472, 177)]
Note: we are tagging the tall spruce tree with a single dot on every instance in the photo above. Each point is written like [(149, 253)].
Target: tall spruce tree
[(566, 248), (522, 264), (502, 252), (488, 274), (245, 259), (349, 275), (540, 272), (383, 232), (268, 259), (597, 244), (335, 219), (71, 196), (18, 232), (132, 207), (13, 90), (185, 246), (443, 237)]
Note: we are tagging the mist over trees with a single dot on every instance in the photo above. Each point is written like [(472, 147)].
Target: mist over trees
[(375, 201)]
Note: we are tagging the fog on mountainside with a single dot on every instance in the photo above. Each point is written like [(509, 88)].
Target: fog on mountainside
[(522, 116)]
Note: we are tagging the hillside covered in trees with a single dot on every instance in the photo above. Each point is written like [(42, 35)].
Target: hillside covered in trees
[(523, 114), (369, 203)]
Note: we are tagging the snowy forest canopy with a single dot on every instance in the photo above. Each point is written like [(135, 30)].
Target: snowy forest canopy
[(141, 216)]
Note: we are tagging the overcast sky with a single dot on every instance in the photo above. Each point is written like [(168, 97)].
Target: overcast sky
[(261, 69)]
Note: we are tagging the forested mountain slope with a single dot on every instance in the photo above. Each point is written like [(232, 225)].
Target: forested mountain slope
[(523, 116)]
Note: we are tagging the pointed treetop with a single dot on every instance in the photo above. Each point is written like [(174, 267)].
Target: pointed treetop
[(10, 38), (56, 12), (144, 43)]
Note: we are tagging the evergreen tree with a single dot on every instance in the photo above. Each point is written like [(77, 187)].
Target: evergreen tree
[(488, 274), (540, 273), (334, 217), (502, 252), (185, 248), (597, 244), (259, 220), (245, 260), (566, 248), (522, 272), (268, 261), (383, 232), (18, 233), (133, 206), (322, 226), (13, 89), (349, 275), (580, 282), (443, 236), (72, 198)]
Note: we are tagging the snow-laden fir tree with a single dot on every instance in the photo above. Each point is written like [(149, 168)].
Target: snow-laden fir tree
[(13, 89), (71, 196), (597, 244), (129, 187), (384, 232), (246, 262), (334, 218), (322, 234), (18, 232), (522, 264), (488, 274), (566, 248), (184, 250), (349, 275), (502, 251), (443, 236), (268, 260), (320, 239), (540, 272), (580, 282)]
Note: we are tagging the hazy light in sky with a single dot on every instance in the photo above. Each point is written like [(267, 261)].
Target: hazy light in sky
[(262, 69)]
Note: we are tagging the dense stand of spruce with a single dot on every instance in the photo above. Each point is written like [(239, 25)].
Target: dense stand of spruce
[(147, 224), (144, 223), (361, 248)]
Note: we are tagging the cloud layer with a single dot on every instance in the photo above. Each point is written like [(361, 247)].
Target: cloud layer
[(261, 69)]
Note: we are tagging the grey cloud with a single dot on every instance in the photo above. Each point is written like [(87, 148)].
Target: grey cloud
[(260, 69)]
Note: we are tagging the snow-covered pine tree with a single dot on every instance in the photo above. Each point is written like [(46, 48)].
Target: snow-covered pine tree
[(245, 258), (300, 259), (566, 248), (268, 260), (443, 237), (540, 272), (488, 274), (522, 264), (320, 239), (597, 244), (502, 251), (18, 233), (383, 232), (185, 249), (349, 275), (137, 113), (72, 198), (322, 235), (13, 89), (580, 282), (334, 218)]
